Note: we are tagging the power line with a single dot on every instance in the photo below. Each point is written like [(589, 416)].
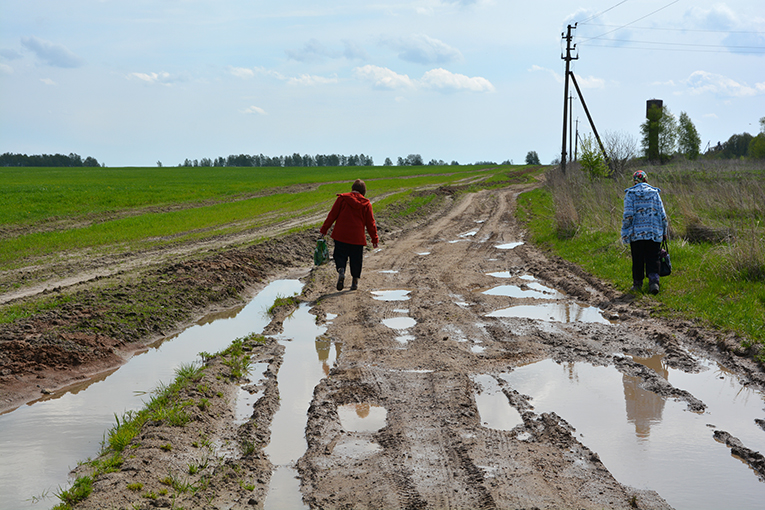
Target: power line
[(590, 45), (632, 22), (687, 29), (601, 13), (760, 48)]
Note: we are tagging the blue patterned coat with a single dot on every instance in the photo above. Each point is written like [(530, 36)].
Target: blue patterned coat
[(644, 217)]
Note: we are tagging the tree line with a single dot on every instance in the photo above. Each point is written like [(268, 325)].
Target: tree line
[(47, 160), (306, 160), (295, 160)]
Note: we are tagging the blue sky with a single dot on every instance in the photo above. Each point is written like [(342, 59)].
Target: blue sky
[(133, 83)]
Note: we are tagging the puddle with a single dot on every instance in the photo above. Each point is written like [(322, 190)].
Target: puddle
[(391, 295), (363, 417), (246, 400), (388, 271), (650, 442), (330, 317), (477, 348), (508, 246), (307, 359), (468, 234), (50, 436), (554, 312), (284, 491), (423, 253), (501, 274), (399, 323), (355, 449), (493, 407), (534, 291)]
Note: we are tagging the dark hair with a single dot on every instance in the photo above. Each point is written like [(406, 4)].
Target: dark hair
[(359, 186)]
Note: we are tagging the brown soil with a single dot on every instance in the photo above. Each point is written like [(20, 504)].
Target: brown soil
[(434, 452)]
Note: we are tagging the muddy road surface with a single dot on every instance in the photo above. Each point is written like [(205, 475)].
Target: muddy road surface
[(444, 311)]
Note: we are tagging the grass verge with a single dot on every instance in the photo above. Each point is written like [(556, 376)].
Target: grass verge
[(719, 282)]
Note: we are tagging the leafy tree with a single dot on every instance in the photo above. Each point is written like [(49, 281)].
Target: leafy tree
[(688, 139), (659, 134), (591, 159), (388, 162), (757, 147), (736, 147), (532, 158)]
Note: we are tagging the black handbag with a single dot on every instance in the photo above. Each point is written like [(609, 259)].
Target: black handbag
[(665, 264)]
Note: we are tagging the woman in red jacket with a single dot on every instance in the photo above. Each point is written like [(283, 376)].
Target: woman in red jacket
[(351, 213)]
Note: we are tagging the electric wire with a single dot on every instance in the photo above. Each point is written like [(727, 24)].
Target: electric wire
[(632, 22), (603, 12)]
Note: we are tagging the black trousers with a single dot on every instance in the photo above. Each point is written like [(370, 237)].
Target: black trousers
[(355, 252), (645, 260)]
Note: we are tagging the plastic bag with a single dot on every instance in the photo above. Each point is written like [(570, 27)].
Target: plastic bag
[(321, 252)]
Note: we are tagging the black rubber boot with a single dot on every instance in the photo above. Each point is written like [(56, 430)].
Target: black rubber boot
[(340, 278), (355, 284)]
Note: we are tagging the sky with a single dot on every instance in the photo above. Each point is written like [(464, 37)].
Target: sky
[(134, 83)]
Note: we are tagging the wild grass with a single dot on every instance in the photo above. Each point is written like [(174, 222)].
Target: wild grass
[(719, 282)]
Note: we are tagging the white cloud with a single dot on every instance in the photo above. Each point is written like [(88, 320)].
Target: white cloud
[(590, 82), (162, 78), (701, 82), (51, 53), (446, 80), (421, 49), (383, 78), (310, 80), (557, 77), (255, 110), (48, 81), (6, 69), (439, 79), (242, 72)]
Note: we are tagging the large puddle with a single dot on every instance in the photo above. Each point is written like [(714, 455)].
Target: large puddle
[(651, 442), (307, 358), (41, 442)]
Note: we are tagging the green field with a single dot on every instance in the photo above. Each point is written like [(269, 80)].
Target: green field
[(52, 212)]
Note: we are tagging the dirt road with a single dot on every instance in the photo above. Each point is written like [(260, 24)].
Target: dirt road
[(425, 368)]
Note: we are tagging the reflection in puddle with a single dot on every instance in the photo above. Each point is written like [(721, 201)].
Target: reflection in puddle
[(355, 449), (399, 323), (493, 407), (469, 234), (246, 400), (50, 437), (501, 274), (534, 291), (477, 348), (423, 253), (284, 491), (650, 442), (554, 312), (306, 361), (363, 417), (388, 271), (391, 295), (509, 246)]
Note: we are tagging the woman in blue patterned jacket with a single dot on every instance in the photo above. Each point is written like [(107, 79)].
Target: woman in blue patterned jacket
[(644, 226)]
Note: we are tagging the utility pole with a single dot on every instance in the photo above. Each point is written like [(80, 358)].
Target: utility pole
[(576, 140), (568, 58), (571, 129)]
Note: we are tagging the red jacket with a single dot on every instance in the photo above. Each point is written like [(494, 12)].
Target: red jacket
[(351, 213)]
